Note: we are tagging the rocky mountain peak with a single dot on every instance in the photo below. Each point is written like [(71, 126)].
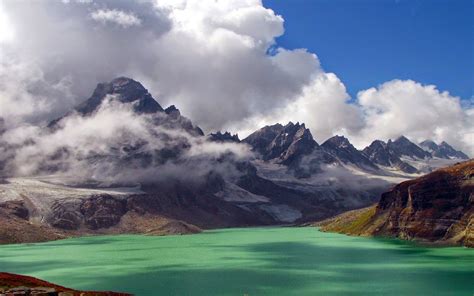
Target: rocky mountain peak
[(429, 145), (126, 90), (338, 141), (224, 137), (173, 111), (443, 150), (403, 146), (344, 151), (384, 154), (402, 139), (285, 144)]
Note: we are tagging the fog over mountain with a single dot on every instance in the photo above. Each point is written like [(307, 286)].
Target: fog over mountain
[(120, 163), (218, 61)]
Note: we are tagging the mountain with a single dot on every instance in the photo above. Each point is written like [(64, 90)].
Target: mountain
[(344, 151), (164, 180), (383, 154), (163, 176), (437, 207), (282, 144), (224, 137), (404, 147), (443, 150), (125, 90)]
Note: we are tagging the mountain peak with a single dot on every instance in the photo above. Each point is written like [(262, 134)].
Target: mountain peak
[(284, 143), (339, 141), (402, 139), (224, 137), (127, 90)]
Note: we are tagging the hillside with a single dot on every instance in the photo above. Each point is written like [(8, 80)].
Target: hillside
[(15, 284), (435, 208)]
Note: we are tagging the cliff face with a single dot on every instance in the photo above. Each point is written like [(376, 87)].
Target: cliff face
[(437, 207)]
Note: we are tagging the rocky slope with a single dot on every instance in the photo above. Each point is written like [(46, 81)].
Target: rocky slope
[(15, 284), (436, 208), (283, 144), (344, 151), (443, 150)]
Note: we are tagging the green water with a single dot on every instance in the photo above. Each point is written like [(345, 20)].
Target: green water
[(253, 261)]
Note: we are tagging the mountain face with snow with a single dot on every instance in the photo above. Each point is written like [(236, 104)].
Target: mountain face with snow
[(385, 154), (443, 150), (343, 150), (283, 144), (120, 163)]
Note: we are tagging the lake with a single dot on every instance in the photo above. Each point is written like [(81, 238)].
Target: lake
[(246, 261)]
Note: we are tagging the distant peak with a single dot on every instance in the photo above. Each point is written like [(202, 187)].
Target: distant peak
[(444, 144), (338, 141), (402, 138), (224, 137), (128, 91), (171, 109), (427, 142)]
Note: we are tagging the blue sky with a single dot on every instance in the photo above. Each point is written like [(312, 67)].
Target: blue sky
[(368, 42)]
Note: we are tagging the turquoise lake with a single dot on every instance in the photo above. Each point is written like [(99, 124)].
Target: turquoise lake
[(250, 261)]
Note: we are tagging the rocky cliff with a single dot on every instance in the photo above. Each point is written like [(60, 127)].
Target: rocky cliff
[(438, 207)]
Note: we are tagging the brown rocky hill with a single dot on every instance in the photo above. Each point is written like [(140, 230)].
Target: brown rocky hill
[(435, 208), (15, 284)]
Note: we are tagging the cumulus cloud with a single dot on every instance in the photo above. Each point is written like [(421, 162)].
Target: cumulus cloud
[(119, 17), (218, 61), (322, 105), (207, 57), (98, 147), (406, 107)]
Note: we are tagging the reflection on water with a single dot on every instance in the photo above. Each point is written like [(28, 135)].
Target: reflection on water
[(256, 261)]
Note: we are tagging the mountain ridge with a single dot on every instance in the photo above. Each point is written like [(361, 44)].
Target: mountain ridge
[(169, 177)]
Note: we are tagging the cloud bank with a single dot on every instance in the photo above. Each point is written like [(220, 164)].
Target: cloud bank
[(218, 61)]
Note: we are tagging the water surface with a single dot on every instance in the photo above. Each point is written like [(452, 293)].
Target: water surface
[(251, 261)]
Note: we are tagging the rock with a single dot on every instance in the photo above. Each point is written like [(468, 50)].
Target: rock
[(437, 208), (283, 144), (102, 211), (382, 153), (444, 150), (224, 137), (344, 151), (403, 146), (16, 208), (15, 284), (126, 90)]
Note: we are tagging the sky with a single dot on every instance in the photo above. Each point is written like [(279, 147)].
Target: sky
[(364, 69), (368, 42)]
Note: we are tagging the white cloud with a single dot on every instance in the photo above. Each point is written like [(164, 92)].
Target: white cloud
[(211, 59), (6, 29), (322, 105), (406, 107), (96, 148), (119, 17)]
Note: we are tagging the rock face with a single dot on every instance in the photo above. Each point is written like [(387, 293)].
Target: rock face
[(282, 144), (224, 137), (343, 150), (443, 150), (389, 154), (15, 284), (125, 90), (403, 146), (438, 207)]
